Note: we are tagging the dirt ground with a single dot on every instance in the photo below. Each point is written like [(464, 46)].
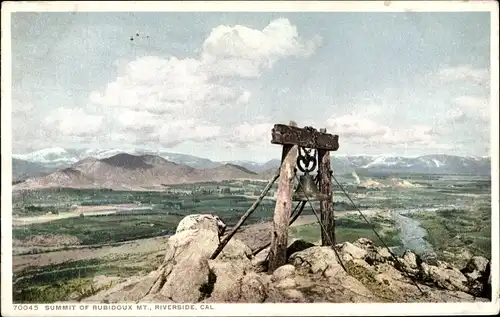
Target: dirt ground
[(142, 246), (75, 212)]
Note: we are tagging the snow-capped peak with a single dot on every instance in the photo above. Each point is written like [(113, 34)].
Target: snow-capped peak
[(384, 160), (438, 163), (49, 155)]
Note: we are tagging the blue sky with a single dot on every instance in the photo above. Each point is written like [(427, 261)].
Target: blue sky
[(213, 84)]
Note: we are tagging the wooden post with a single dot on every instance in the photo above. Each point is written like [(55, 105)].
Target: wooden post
[(283, 208), (326, 206)]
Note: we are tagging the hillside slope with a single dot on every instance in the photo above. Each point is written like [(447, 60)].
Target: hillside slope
[(132, 172)]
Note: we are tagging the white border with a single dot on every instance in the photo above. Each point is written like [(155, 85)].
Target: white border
[(253, 6), (250, 6)]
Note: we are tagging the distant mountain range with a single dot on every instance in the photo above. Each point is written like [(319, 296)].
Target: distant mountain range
[(131, 172), (90, 167), (426, 164), (59, 157)]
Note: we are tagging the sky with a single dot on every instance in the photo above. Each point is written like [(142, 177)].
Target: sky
[(213, 84)]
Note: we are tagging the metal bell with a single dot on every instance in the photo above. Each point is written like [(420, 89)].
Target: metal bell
[(307, 190)]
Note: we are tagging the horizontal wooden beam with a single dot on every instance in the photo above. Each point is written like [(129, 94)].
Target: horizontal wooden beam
[(285, 134)]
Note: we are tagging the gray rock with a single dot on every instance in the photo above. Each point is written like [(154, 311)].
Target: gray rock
[(260, 260), (353, 251), (227, 281), (202, 221), (287, 283), (445, 277), (365, 244), (315, 259), (283, 272), (478, 274), (410, 259), (294, 295), (477, 263), (253, 288)]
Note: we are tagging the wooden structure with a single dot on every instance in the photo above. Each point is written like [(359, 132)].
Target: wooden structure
[(291, 138), (292, 135), (325, 187)]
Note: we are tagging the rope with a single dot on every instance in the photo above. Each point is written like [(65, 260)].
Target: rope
[(378, 236), (320, 223)]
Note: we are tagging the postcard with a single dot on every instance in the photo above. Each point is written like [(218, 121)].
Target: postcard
[(250, 158)]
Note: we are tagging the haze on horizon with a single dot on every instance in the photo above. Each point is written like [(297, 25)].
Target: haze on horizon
[(213, 84)]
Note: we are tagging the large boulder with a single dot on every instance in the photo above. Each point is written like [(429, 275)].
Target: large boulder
[(283, 272), (350, 251), (226, 281), (445, 276), (364, 249), (202, 221), (315, 259), (185, 274), (478, 274)]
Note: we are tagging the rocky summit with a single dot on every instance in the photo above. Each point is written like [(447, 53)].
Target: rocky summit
[(313, 274)]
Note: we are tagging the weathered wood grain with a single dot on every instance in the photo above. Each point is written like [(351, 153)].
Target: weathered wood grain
[(292, 135), (326, 206), (283, 208)]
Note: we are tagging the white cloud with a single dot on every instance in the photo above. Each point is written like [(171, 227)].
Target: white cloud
[(356, 126), (416, 134), (242, 51), (245, 97), (164, 129), (474, 106), (164, 86), (21, 108), (138, 120), (464, 73), (248, 134), (73, 121), (361, 129), (157, 99), (456, 115), (187, 129)]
